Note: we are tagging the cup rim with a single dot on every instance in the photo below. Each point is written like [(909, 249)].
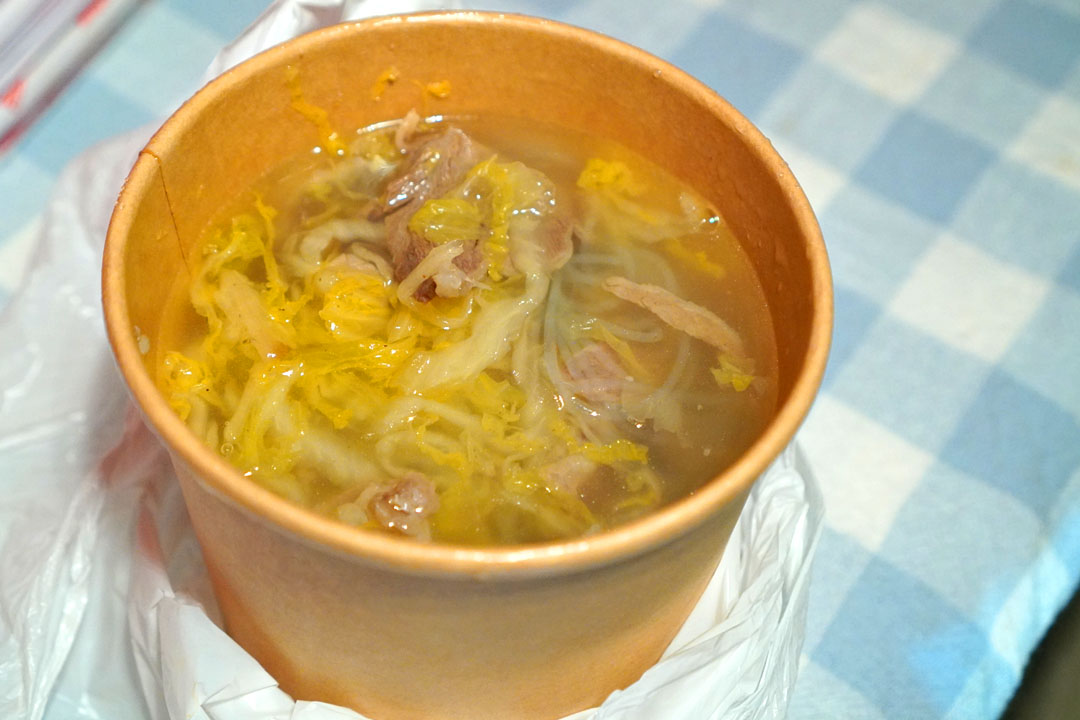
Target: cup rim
[(515, 561)]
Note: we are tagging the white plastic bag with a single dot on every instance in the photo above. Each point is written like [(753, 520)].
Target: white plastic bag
[(105, 608)]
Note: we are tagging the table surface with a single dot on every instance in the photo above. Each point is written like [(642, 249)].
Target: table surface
[(939, 143)]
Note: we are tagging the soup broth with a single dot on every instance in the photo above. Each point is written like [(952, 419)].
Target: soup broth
[(482, 331)]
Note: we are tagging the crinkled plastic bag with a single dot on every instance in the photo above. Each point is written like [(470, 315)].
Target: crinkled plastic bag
[(105, 604)]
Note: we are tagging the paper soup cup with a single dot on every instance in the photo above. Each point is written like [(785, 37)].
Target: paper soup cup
[(399, 629)]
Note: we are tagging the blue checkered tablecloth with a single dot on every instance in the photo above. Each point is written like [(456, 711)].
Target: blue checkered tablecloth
[(939, 143)]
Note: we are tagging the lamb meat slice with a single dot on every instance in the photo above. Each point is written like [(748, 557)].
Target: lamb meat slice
[(406, 505), (541, 230), (432, 169), (595, 374), (443, 274), (406, 248), (680, 314), (426, 290), (461, 274), (557, 241), (541, 245), (545, 246)]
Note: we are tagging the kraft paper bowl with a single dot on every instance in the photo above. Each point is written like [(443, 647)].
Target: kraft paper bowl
[(394, 628)]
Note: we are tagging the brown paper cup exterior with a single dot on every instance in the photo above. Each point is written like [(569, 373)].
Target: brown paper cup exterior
[(398, 629)]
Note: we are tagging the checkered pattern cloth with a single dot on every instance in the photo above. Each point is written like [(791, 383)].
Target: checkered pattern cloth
[(939, 143)]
